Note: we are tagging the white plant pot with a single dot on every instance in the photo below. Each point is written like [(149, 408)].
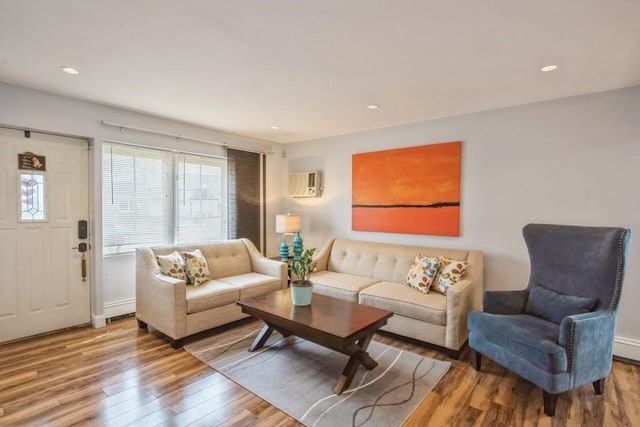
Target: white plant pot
[(301, 294)]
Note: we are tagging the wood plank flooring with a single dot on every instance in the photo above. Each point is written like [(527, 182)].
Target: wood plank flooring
[(120, 375)]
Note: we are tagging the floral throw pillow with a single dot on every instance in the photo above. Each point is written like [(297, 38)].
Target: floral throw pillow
[(172, 265), (422, 273), (451, 271), (197, 269)]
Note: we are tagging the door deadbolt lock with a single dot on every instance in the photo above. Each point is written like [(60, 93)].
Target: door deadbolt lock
[(82, 247)]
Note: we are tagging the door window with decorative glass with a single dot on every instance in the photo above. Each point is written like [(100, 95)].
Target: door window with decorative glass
[(33, 198)]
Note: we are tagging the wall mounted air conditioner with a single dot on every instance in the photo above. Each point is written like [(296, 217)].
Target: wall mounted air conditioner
[(304, 184)]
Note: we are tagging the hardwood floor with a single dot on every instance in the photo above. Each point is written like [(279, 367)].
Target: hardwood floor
[(120, 375)]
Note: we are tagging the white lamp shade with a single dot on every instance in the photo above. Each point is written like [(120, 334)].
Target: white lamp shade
[(288, 223)]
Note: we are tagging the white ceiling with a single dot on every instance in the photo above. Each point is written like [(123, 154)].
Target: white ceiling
[(311, 66)]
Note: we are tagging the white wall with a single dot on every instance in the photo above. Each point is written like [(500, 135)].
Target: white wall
[(113, 284), (569, 161)]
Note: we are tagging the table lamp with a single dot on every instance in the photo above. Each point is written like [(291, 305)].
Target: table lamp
[(289, 224)]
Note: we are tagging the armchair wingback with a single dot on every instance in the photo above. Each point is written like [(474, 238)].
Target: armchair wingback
[(558, 332)]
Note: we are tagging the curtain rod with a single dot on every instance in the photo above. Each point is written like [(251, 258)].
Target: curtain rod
[(168, 150), (179, 137)]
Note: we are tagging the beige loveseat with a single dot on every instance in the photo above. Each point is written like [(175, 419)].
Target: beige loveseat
[(178, 310), (374, 274)]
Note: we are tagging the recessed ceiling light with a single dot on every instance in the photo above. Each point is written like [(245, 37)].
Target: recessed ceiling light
[(373, 106), (548, 68), (274, 127), (70, 70)]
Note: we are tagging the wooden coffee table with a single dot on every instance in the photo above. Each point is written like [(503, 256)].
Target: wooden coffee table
[(342, 326)]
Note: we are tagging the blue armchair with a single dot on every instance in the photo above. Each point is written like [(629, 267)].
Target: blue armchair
[(558, 332)]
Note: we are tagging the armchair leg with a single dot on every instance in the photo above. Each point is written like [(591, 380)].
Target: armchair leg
[(598, 386), (476, 360), (177, 343), (549, 400), (142, 325)]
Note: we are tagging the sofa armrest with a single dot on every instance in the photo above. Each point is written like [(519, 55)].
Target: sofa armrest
[(263, 265), (475, 261), (161, 301), (321, 257), (505, 302), (459, 303), (588, 340)]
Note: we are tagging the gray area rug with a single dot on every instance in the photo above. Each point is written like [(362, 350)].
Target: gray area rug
[(297, 377)]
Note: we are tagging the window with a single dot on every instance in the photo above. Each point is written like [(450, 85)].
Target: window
[(201, 199), (155, 197), (136, 197)]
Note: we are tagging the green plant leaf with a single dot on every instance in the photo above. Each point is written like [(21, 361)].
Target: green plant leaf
[(304, 266)]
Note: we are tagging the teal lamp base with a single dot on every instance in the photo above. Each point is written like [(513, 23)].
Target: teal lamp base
[(297, 247), (284, 251)]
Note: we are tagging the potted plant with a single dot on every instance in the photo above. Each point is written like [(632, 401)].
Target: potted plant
[(302, 287)]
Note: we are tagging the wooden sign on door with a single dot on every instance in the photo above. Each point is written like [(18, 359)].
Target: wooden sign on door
[(30, 161)]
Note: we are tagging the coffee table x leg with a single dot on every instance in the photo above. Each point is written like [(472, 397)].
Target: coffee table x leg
[(359, 355), (264, 335), (262, 338)]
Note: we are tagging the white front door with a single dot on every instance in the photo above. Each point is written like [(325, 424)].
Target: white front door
[(41, 283)]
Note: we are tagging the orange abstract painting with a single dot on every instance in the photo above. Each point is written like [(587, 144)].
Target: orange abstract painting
[(414, 190)]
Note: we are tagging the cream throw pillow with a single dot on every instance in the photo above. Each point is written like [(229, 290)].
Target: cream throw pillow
[(422, 273), (451, 271), (197, 269), (172, 265)]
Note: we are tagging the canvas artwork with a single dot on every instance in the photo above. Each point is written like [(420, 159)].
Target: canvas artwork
[(414, 190)]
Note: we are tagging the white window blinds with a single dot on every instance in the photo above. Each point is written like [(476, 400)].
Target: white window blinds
[(136, 197), (155, 197), (201, 189)]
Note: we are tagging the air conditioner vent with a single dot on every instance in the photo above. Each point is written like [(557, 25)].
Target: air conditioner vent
[(304, 184)]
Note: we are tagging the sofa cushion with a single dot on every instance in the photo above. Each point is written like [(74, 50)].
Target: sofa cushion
[(451, 271), (383, 261), (340, 285), (252, 284), (227, 258), (524, 336), (407, 302), (422, 273), (172, 265), (555, 306), (196, 267), (210, 294)]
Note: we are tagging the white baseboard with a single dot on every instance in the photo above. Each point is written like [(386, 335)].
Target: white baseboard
[(627, 348), (98, 321), (119, 308)]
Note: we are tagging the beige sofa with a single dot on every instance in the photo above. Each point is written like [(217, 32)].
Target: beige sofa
[(374, 274), (178, 310)]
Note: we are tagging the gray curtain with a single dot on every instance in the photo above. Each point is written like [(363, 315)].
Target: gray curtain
[(245, 202)]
